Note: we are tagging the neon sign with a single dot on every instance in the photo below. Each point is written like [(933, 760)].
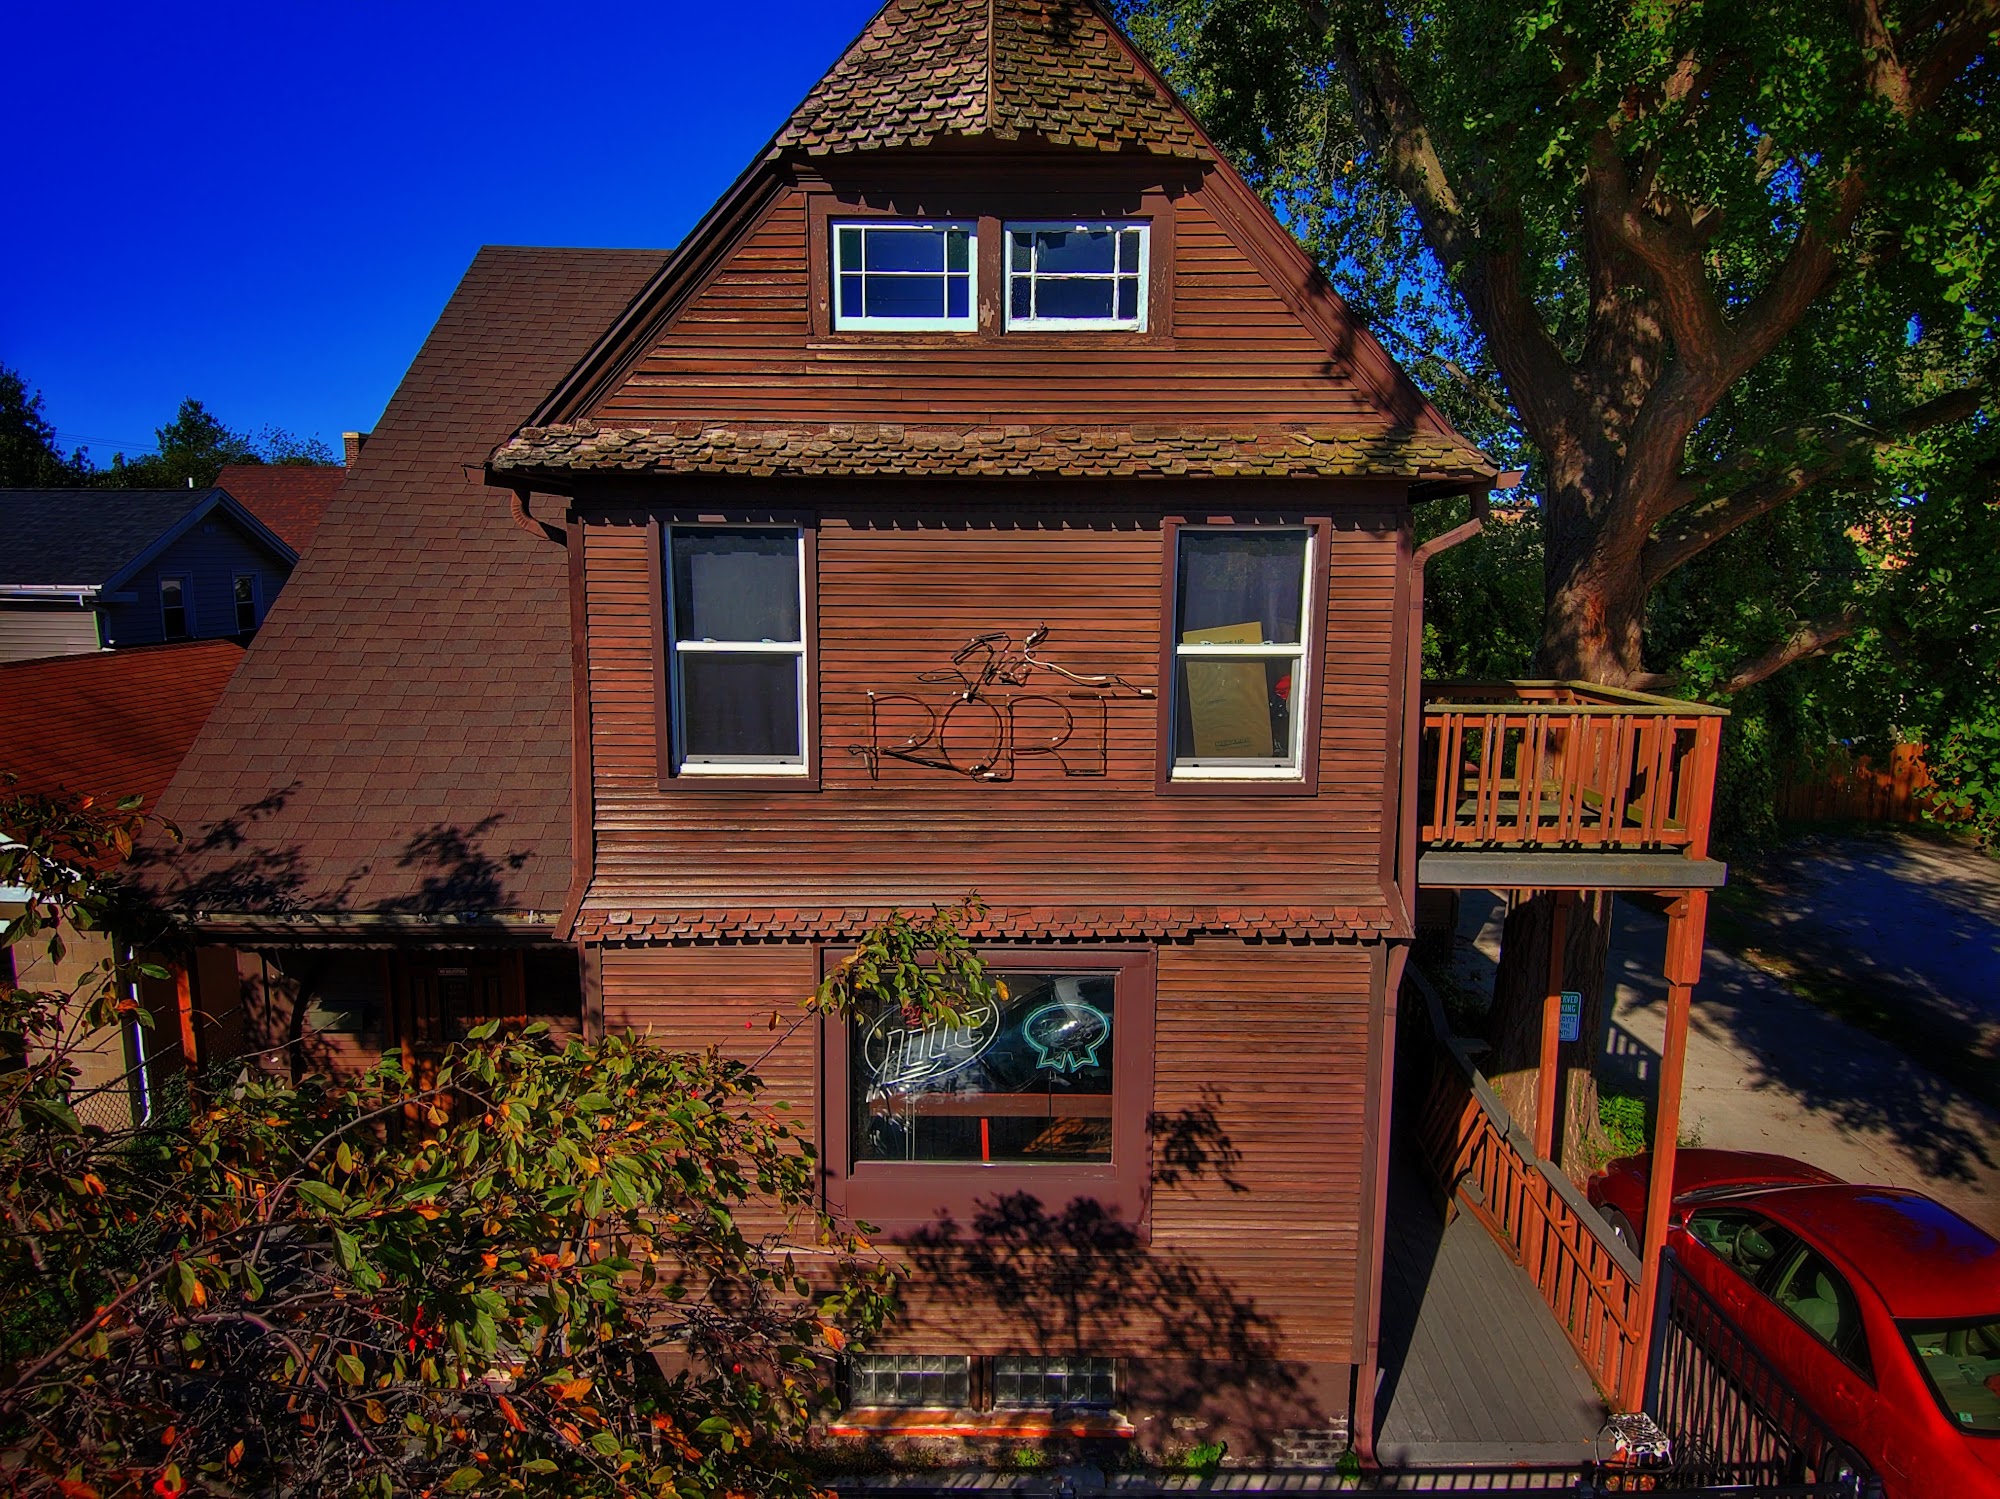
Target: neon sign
[(1066, 1035), (898, 1054)]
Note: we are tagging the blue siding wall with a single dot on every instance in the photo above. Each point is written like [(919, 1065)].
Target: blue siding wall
[(209, 557)]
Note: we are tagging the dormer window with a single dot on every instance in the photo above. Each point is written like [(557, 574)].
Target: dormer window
[(1076, 276), (905, 278)]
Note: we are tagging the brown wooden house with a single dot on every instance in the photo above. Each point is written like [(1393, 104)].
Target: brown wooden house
[(989, 496)]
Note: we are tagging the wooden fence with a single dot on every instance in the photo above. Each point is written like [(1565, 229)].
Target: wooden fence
[(1480, 1161), (1565, 765), (1852, 788)]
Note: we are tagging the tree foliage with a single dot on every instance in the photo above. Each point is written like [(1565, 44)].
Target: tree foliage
[(29, 455), (516, 1267), (195, 446)]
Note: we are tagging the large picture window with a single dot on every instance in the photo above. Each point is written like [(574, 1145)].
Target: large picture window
[(736, 631), (892, 277), (1076, 276), (1242, 621), (1043, 1089)]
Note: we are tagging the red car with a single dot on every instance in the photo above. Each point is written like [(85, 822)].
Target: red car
[(1878, 1305)]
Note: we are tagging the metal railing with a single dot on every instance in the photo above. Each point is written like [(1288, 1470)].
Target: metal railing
[(1588, 1279), (1732, 1418), (1565, 766)]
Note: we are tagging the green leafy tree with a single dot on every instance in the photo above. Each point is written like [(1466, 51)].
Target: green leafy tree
[(594, 1268), (1713, 273), (195, 446), (29, 456)]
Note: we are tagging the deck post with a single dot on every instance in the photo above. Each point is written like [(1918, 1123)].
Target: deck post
[(1687, 919), (1547, 1096)]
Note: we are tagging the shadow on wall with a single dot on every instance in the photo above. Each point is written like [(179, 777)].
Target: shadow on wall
[(1076, 1281)]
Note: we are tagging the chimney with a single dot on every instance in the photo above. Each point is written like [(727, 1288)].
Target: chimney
[(353, 442)]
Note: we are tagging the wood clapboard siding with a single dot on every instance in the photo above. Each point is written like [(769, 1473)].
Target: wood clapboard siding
[(743, 349), (1259, 1065), (897, 595)]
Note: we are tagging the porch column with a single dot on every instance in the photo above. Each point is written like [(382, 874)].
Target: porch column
[(1547, 1096), (1687, 919)]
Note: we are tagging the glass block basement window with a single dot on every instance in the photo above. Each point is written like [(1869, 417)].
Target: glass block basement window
[(1041, 1383), (935, 1381)]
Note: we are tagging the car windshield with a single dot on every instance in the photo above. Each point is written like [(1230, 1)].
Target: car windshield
[(1962, 1362)]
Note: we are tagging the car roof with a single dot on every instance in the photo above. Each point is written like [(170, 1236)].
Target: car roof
[(1921, 1258)]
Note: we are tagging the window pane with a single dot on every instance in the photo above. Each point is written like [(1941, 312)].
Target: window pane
[(1128, 249), (739, 707), (1022, 253), (1961, 1362), (1025, 1079), (1233, 709), (1023, 297), (1243, 580), (1030, 1383), (905, 249), (850, 296), (957, 250), (1752, 1244), (1128, 301), (736, 585), (933, 1380), (850, 248), (958, 296), (1059, 250), (1066, 297), (1813, 1291), (906, 296)]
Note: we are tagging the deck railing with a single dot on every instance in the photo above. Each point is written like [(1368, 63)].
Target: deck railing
[(1481, 1161), (1565, 766)]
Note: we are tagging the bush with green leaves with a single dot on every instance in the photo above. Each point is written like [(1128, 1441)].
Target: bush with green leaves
[(518, 1268)]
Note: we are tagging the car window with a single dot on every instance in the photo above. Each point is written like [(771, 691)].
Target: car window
[(1961, 1362), (1747, 1242), (1814, 1292)]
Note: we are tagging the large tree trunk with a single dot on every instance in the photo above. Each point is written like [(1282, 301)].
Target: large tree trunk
[(1514, 1024)]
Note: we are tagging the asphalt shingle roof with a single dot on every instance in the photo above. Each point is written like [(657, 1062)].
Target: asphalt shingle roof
[(1069, 451), (108, 723), (83, 536), (1056, 70), (289, 498), (398, 738)]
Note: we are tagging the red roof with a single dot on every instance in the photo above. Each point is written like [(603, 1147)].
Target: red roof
[(111, 723), (287, 497)]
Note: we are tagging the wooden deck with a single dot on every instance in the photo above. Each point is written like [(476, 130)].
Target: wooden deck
[(1474, 1369)]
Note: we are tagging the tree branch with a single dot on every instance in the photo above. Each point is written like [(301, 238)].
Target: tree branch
[(1813, 638), (1832, 449)]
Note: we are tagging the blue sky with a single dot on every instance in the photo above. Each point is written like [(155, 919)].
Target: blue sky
[(265, 206)]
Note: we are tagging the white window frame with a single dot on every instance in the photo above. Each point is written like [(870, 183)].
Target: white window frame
[(1033, 324), (256, 601), (1293, 768), (945, 324), (187, 607), (719, 765)]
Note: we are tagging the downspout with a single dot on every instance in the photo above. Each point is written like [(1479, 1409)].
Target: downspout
[(1399, 953)]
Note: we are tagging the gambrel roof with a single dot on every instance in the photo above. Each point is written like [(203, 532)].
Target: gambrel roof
[(926, 70)]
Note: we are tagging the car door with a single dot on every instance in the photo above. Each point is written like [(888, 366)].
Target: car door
[(1735, 1249), (1827, 1356)]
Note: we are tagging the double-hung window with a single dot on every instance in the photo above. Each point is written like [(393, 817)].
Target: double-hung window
[(1077, 276), (905, 277), (736, 634), (174, 608), (1242, 621), (245, 591)]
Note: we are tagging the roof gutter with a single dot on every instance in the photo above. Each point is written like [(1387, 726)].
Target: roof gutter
[(83, 593)]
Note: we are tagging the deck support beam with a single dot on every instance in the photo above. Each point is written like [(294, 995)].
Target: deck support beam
[(1687, 920), (1548, 1096)]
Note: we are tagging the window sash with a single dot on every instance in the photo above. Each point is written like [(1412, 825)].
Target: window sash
[(679, 650), (246, 599), (1290, 765), (176, 619), (945, 276), (1034, 276)]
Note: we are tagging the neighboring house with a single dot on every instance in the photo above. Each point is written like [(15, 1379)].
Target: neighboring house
[(289, 498), (98, 569), (109, 726), (989, 495)]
